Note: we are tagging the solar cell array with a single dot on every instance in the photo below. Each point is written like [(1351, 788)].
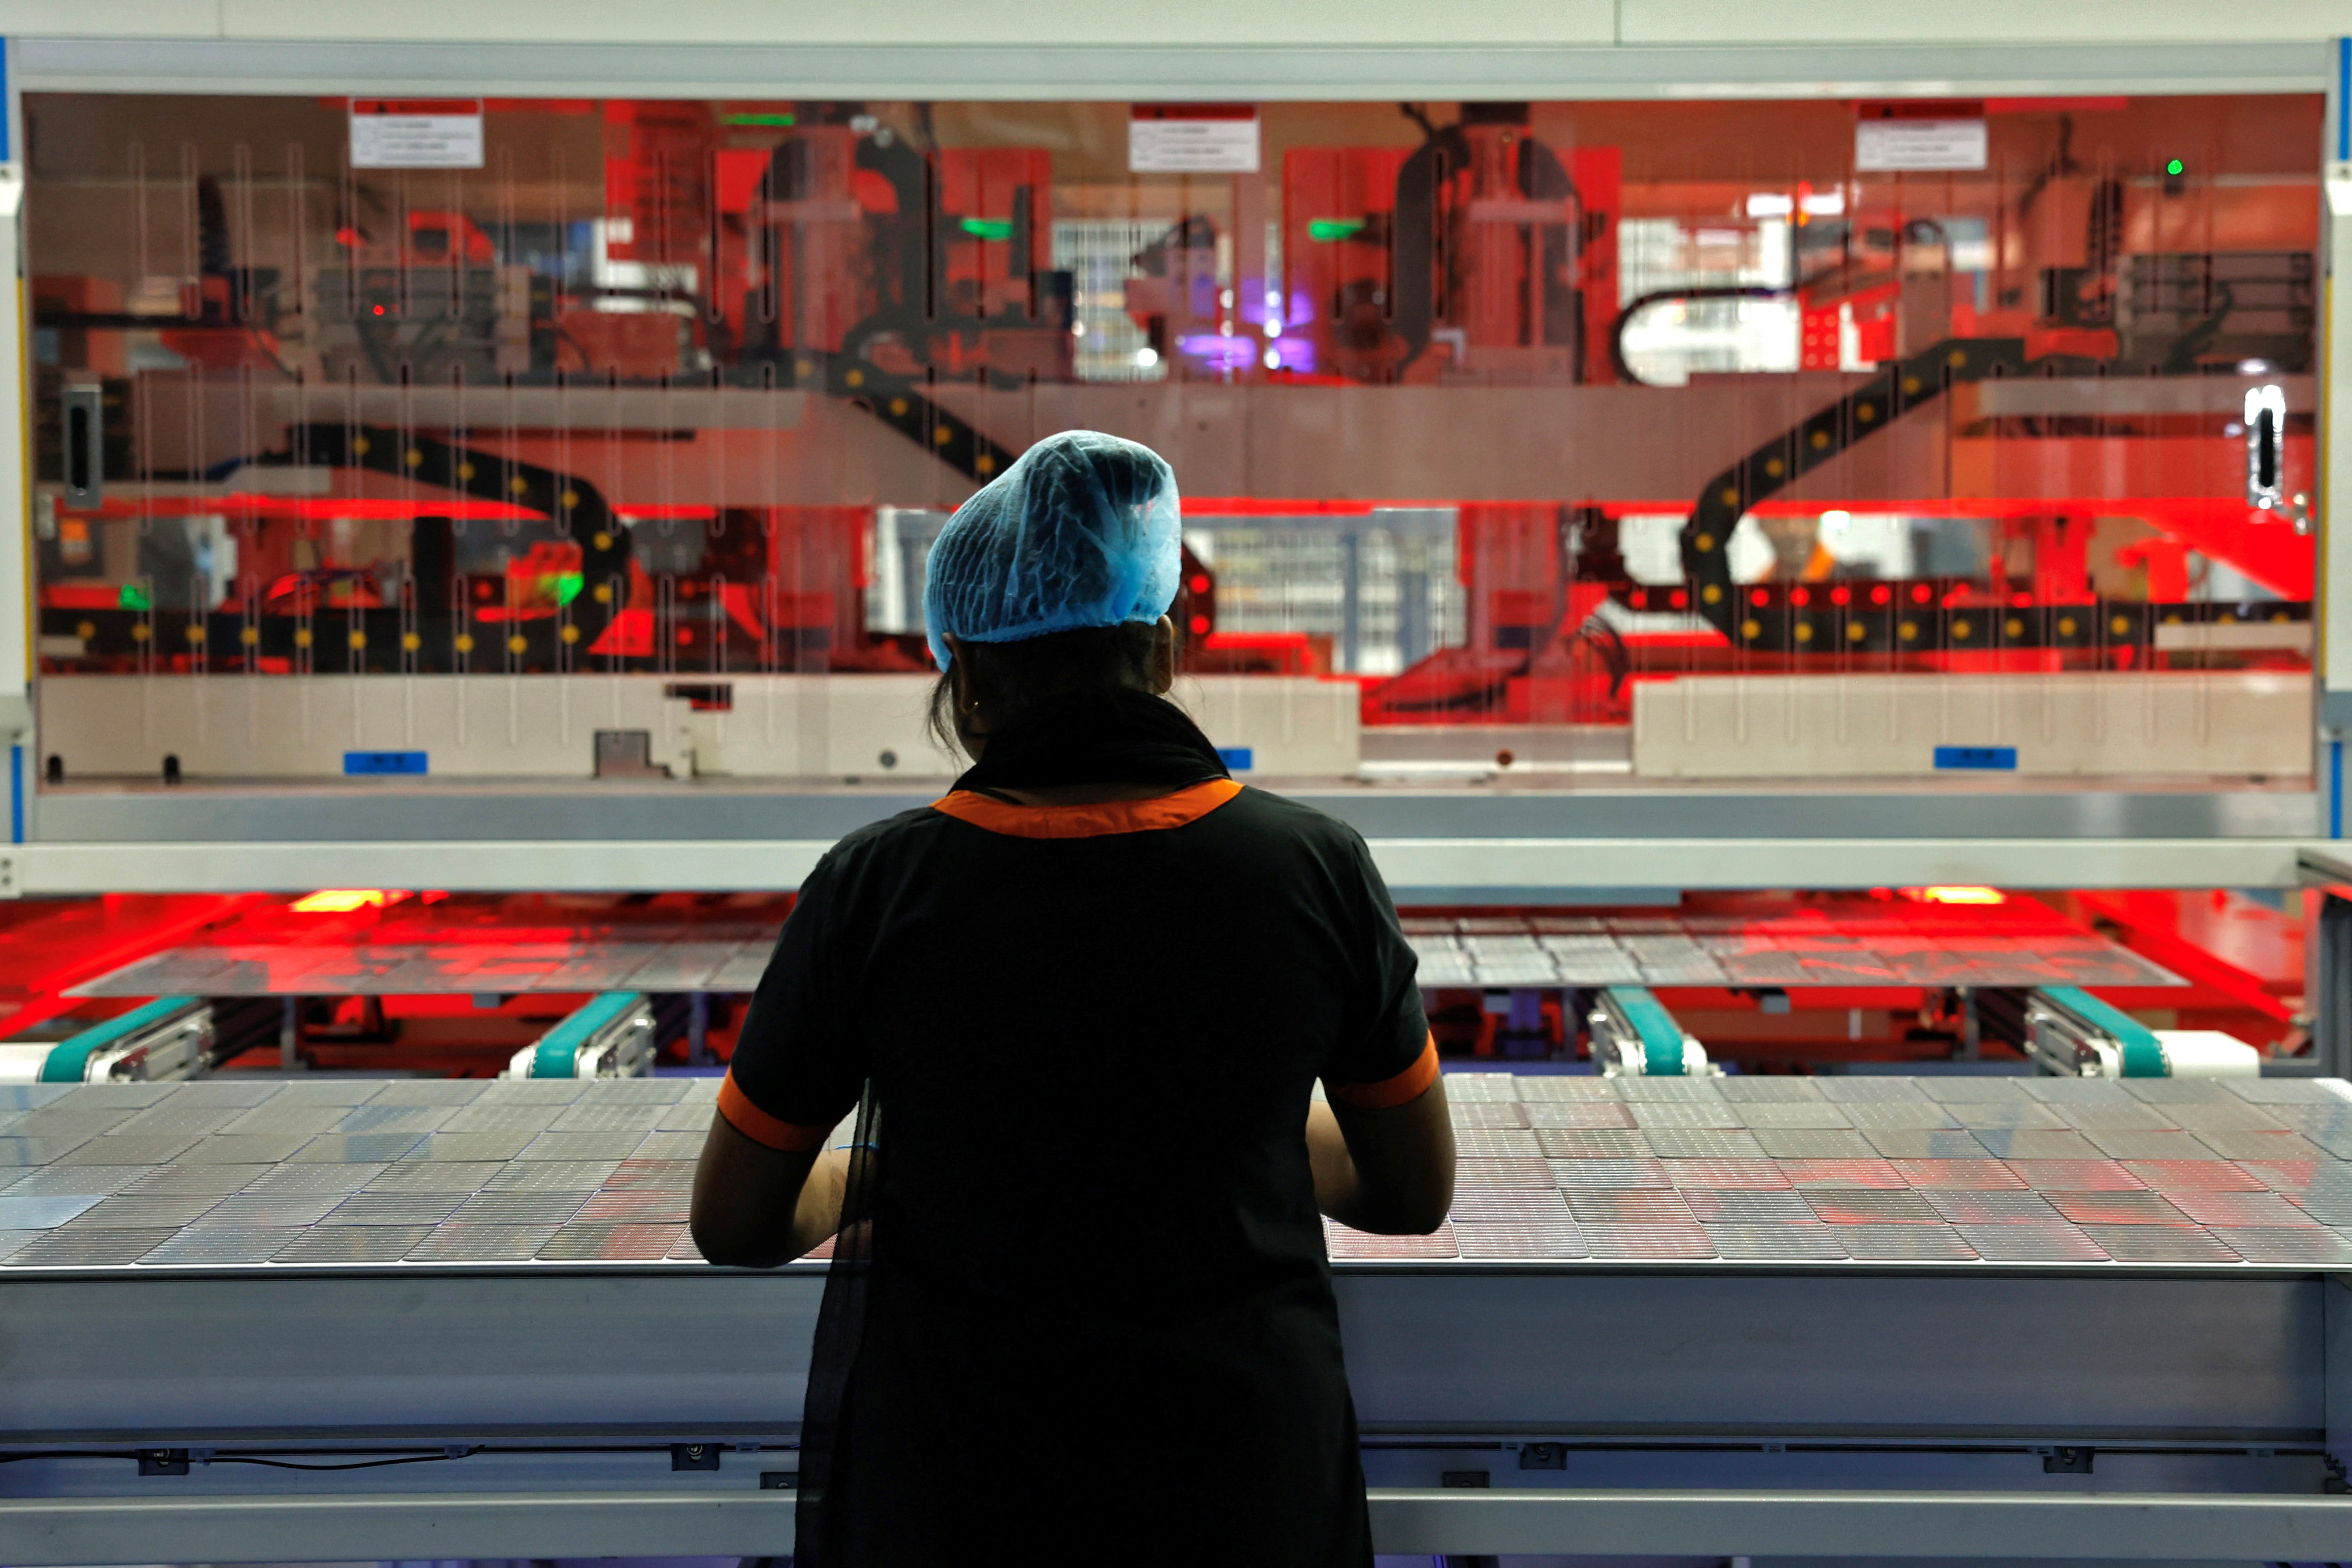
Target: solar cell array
[(459, 963), (348, 1171), (1949, 1170), (1894, 944), (354, 1171)]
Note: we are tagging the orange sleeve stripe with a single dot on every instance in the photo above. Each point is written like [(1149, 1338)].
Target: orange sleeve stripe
[(1408, 1085), (1188, 805), (761, 1128)]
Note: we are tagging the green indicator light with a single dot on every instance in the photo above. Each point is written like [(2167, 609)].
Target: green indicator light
[(1328, 229), (567, 586), (760, 120), (987, 227), (134, 598), (2176, 167)]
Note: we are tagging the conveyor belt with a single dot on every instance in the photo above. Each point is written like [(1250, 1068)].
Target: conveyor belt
[(1848, 942), (1949, 1171)]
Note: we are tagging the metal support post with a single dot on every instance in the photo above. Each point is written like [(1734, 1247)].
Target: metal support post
[(2334, 612), (289, 1036), (16, 585), (698, 1029), (1351, 600), (1414, 616), (2330, 1002)]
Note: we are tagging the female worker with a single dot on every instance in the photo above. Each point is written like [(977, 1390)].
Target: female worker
[(1091, 991)]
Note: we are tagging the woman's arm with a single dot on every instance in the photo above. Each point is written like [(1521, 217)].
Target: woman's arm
[(1390, 1170), (755, 1206)]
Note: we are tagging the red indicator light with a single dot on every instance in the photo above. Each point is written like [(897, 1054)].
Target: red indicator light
[(379, 310), (1680, 600), (1759, 598), (1200, 626), (1921, 593), (1880, 595), (1840, 596), (686, 636), (1800, 597), (1641, 599), (1201, 583), (2022, 601)]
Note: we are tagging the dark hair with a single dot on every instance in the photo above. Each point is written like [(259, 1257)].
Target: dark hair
[(1009, 680)]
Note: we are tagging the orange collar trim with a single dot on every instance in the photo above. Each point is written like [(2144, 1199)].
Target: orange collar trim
[(1188, 805)]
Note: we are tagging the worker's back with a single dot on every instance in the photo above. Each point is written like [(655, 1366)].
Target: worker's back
[(1092, 1034)]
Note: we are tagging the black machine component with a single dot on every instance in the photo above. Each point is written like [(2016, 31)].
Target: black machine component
[(1861, 414)]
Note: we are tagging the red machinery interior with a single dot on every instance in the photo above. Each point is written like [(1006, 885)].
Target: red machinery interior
[(886, 255)]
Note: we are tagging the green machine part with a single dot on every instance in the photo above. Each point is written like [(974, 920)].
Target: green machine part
[(2143, 1053), (71, 1059), (1662, 1038), (559, 1051)]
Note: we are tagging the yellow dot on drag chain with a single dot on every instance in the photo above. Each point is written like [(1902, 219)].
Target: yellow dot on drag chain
[(250, 636), (897, 408), (1855, 631), (569, 499), (601, 540), (1804, 631), (604, 593), (2120, 625), (1960, 631), (465, 642), (358, 641), (804, 367), (518, 484), (1703, 543), (302, 637), (941, 435), (1750, 630), (856, 378), (1910, 386), (359, 445), (1956, 358), (2066, 626), (465, 470), (983, 464), (139, 632), (517, 643), (2013, 626), (570, 634), (410, 642), (1711, 593), (1910, 631), (1775, 467), (1820, 439), (416, 457), (1730, 496), (194, 632), (1865, 412), (88, 629)]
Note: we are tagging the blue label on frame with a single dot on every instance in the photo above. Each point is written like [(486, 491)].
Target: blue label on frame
[(383, 761), (1238, 758), (1993, 759)]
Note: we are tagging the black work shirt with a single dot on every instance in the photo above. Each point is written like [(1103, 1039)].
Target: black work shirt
[(1100, 1318)]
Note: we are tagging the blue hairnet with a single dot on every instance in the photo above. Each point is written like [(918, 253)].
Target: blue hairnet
[(1083, 530)]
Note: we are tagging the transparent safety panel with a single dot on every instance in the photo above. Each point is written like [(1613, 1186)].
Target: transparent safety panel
[(1592, 443)]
